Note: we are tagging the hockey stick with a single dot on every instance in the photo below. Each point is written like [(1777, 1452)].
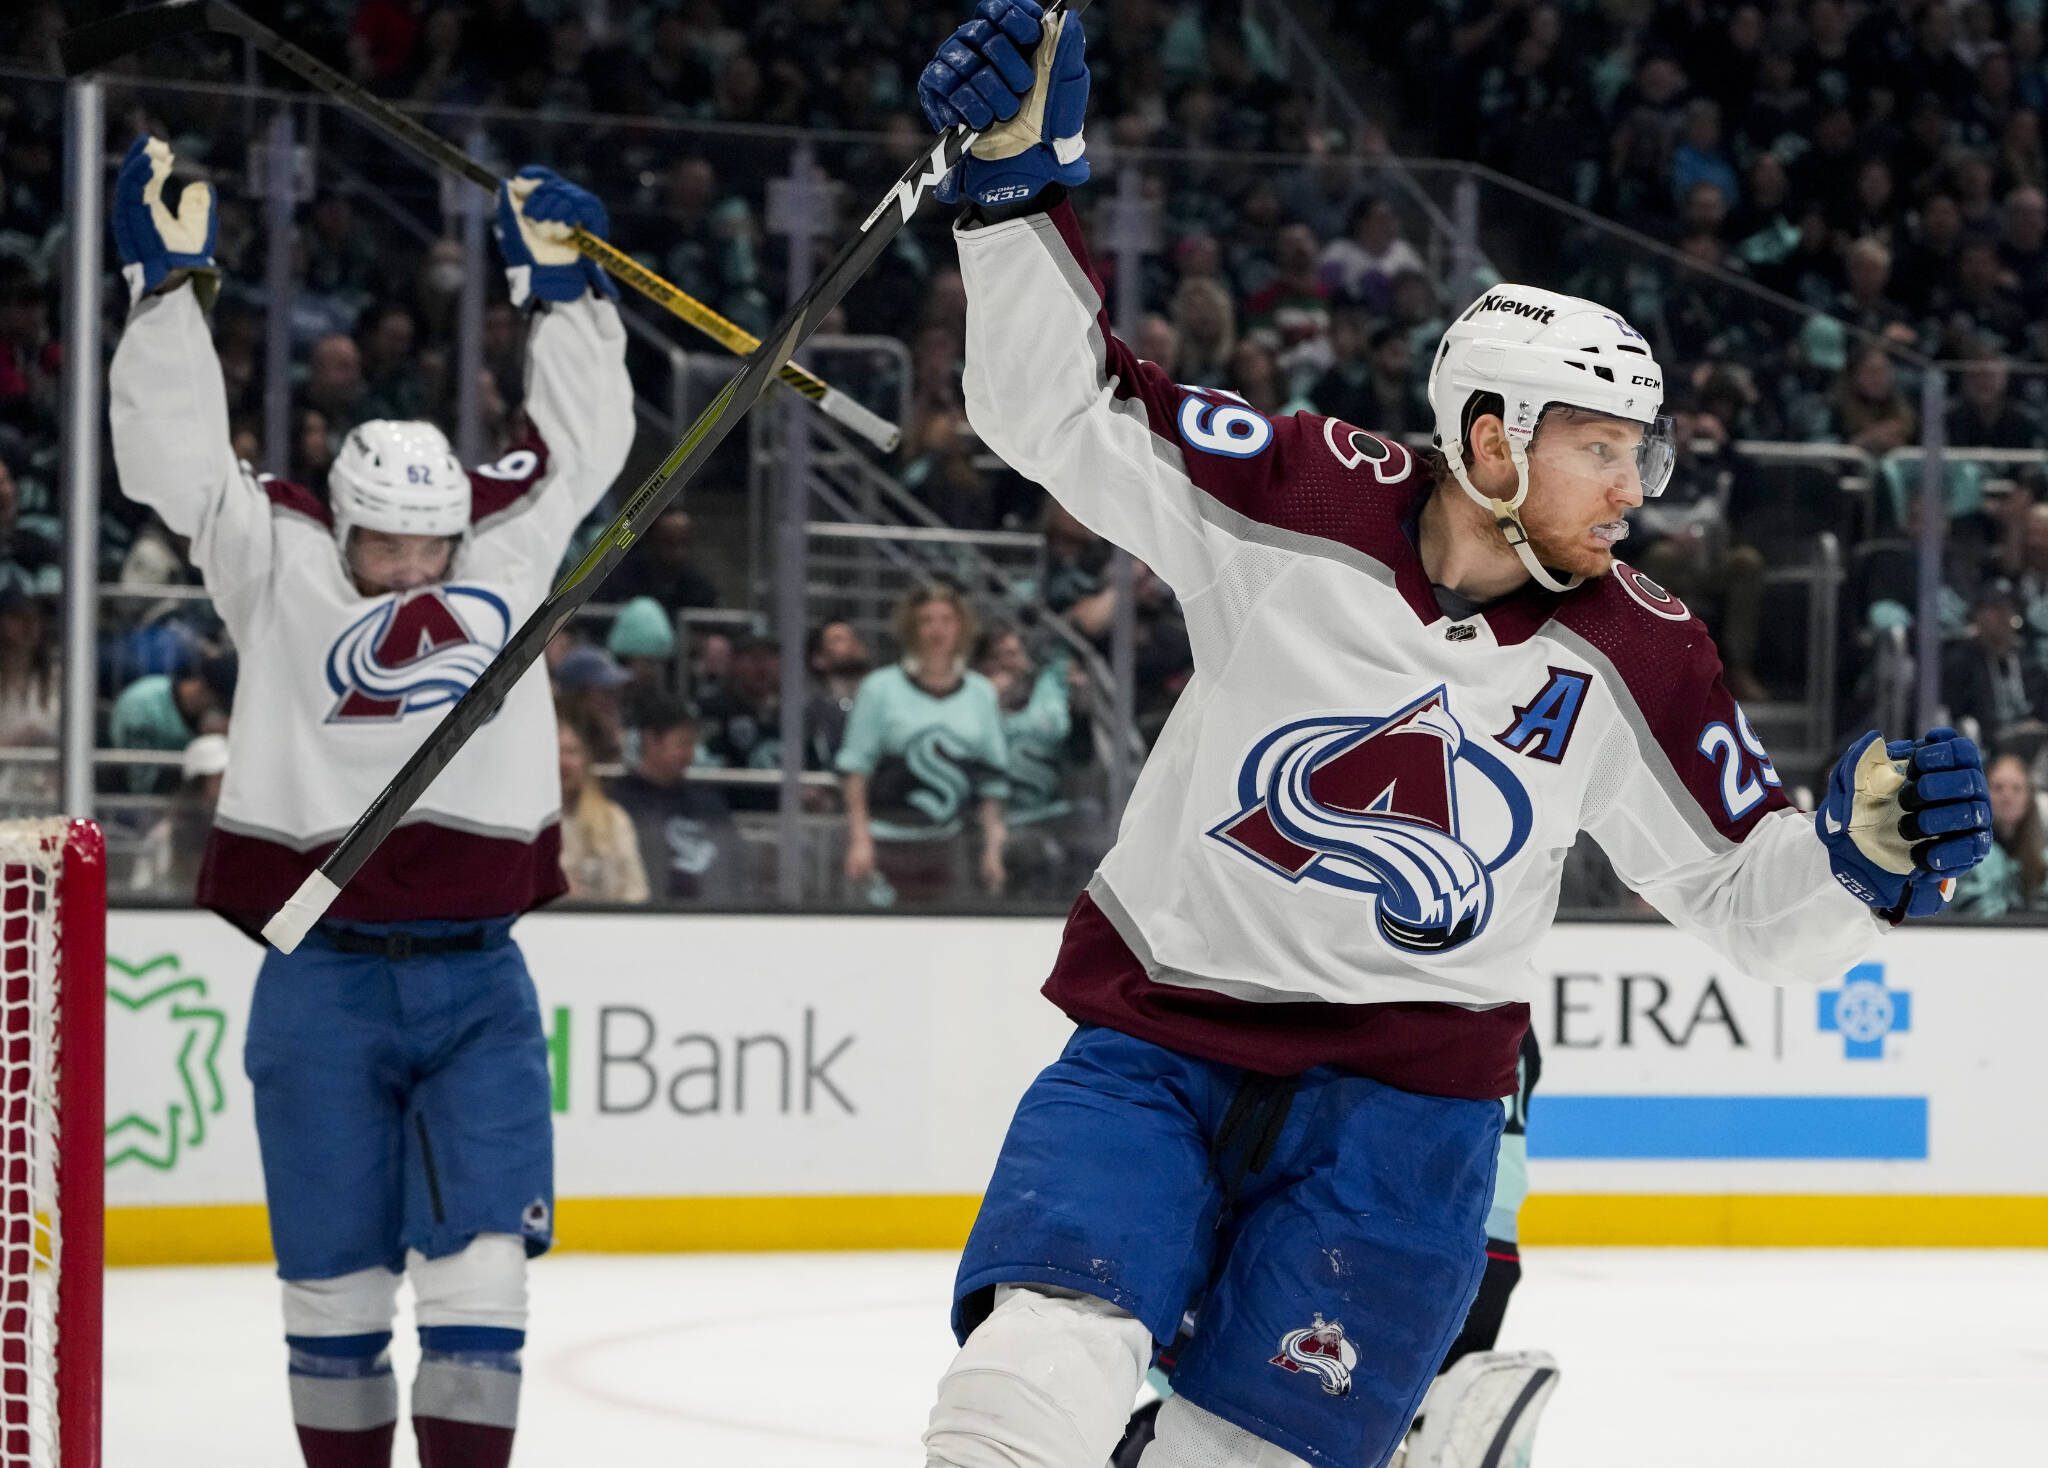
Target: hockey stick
[(306, 906), (92, 46)]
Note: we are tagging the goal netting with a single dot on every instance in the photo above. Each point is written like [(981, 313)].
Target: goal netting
[(53, 908)]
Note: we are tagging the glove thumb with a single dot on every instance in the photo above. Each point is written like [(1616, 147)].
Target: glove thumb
[(185, 231), (1874, 809)]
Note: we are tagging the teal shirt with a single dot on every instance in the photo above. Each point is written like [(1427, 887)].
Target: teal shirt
[(1994, 887), (926, 757), (1037, 734), (146, 717)]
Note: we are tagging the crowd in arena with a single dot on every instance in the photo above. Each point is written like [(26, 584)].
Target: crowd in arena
[(1878, 166)]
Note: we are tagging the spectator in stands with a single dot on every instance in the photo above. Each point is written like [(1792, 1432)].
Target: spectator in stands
[(30, 709), (1687, 545), (643, 639), (1206, 318), (28, 543), (2022, 558), (590, 692), (943, 474), (1324, 193), (31, 359), (924, 749), (1699, 156), (167, 711), (2014, 877), (1044, 847), (168, 855), (1866, 304), (1929, 257), (1987, 416), (2023, 247), (1158, 343), (838, 659), (1256, 377), (1867, 408), (392, 386), (340, 253), (742, 720), (1345, 389), (710, 663), (312, 449), (1291, 314), (1977, 304), (334, 382), (1993, 687), (664, 566), (1364, 264), (600, 852), (686, 834)]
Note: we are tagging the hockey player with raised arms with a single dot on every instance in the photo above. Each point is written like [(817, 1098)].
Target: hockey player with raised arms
[(400, 1072), (1301, 976)]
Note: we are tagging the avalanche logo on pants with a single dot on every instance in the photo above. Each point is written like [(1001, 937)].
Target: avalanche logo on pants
[(1400, 808), (415, 652), (1321, 1350)]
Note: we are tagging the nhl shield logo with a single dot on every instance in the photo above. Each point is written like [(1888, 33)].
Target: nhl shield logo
[(1402, 809), (1321, 1351)]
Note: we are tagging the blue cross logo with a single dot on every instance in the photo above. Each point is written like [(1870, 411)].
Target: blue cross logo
[(1863, 1011)]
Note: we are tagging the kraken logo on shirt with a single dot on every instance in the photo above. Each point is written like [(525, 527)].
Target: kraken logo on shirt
[(1399, 808), (414, 652)]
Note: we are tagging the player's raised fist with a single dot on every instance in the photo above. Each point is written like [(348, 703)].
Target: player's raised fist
[(538, 210), (1020, 78), (154, 240), (1902, 820)]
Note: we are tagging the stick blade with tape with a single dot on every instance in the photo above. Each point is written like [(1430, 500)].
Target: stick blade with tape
[(89, 47)]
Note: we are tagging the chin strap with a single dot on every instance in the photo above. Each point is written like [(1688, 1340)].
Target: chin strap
[(1507, 514)]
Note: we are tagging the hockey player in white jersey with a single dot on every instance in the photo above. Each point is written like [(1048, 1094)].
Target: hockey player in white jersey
[(400, 1073), (1302, 974)]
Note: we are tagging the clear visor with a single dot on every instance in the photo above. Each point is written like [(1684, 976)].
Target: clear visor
[(1601, 453), (1656, 456)]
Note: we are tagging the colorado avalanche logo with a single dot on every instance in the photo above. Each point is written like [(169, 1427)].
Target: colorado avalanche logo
[(1381, 807), (1321, 1350), (415, 652)]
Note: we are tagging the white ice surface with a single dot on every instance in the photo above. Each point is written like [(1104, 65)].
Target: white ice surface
[(1671, 1359)]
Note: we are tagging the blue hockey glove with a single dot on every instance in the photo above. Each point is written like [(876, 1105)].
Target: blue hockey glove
[(1902, 820), (537, 209), (1027, 104), (155, 241)]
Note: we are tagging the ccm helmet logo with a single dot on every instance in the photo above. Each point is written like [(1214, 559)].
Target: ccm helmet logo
[(1541, 315), (1641, 381)]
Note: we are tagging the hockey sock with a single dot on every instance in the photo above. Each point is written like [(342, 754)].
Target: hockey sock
[(344, 1399), (1490, 1305), (465, 1401)]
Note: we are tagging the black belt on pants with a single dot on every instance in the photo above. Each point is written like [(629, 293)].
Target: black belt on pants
[(399, 946)]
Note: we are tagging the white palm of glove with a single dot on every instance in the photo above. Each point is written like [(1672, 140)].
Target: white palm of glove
[(547, 240), (1026, 130), (185, 232)]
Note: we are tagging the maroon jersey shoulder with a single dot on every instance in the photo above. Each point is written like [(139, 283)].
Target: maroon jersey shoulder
[(1670, 671), (499, 485), (1657, 646), (295, 499)]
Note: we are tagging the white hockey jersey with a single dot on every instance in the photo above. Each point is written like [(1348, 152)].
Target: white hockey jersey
[(337, 689), (1350, 834)]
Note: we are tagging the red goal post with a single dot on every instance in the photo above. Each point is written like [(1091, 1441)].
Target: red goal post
[(53, 949)]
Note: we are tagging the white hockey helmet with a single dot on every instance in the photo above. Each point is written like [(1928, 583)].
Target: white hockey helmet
[(401, 478), (1535, 349)]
